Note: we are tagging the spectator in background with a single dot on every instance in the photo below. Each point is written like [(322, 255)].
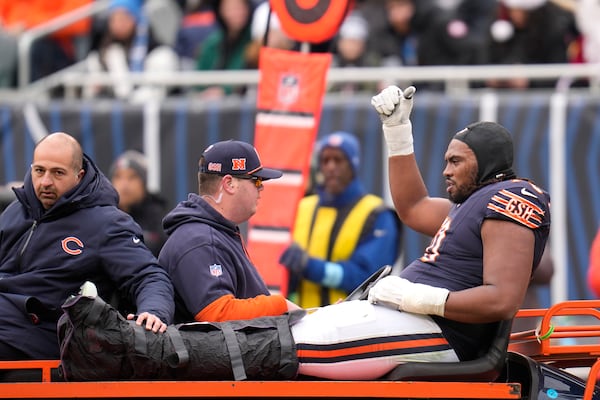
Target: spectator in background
[(50, 53), (587, 15), (456, 32), (396, 40), (197, 23), (350, 49), (225, 48), (396, 32), (342, 234), (529, 32), (127, 43), (128, 175), (276, 38), (428, 32), (165, 18)]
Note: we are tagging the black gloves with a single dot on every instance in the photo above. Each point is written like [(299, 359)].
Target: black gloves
[(295, 259)]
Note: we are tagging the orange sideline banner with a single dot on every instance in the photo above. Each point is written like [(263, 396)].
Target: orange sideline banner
[(290, 96)]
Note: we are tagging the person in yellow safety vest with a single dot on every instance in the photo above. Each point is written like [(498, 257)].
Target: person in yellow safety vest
[(342, 234)]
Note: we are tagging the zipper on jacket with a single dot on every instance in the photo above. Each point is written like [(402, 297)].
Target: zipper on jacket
[(29, 235)]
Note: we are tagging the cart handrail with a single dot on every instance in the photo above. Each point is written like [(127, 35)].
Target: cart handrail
[(542, 345)]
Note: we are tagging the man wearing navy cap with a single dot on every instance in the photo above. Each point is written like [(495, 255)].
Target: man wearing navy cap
[(205, 255), (342, 234)]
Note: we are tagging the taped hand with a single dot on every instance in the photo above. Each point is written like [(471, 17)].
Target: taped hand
[(294, 258), (394, 107), (401, 294)]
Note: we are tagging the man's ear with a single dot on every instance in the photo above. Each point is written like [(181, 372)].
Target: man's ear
[(227, 183), (81, 173)]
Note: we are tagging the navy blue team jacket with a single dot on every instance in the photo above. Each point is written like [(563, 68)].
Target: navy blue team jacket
[(45, 256), (206, 258)]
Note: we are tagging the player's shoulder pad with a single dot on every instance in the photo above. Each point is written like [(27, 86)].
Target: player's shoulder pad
[(522, 202)]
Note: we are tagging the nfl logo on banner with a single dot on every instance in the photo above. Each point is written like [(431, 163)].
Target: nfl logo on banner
[(216, 270), (289, 88)]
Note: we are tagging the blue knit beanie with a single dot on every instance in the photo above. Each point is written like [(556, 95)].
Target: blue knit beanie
[(346, 142), (133, 7)]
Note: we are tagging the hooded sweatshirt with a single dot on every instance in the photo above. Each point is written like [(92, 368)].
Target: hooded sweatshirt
[(46, 255), (213, 276)]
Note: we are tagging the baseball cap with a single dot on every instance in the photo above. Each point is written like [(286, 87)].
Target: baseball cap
[(233, 157), (493, 148)]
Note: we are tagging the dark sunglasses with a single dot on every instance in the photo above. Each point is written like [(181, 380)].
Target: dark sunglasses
[(257, 181)]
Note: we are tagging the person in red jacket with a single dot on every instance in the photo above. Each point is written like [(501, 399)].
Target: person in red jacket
[(594, 266)]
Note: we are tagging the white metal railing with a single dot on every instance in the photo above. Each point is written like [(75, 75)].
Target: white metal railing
[(26, 40), (454, 78)]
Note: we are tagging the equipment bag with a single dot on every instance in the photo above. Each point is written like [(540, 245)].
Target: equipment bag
[(97, 343)]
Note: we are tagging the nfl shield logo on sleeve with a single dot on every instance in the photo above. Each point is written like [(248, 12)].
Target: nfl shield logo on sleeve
[(216, 270)]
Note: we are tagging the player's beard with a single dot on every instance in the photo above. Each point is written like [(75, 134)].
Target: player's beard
[(463, 191)]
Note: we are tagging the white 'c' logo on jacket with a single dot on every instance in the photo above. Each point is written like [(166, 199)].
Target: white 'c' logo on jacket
[(72, 245)]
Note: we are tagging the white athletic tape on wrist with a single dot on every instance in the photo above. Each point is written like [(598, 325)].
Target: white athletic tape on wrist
[(426, 299), (399, 139), (401, 294)]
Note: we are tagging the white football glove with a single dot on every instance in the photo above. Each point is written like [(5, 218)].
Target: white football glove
[(401, 294), (394, 107)]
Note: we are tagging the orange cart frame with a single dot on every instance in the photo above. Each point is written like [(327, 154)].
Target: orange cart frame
[(545, 346)]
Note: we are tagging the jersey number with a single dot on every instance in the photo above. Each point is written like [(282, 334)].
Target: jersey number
[(433, 250)]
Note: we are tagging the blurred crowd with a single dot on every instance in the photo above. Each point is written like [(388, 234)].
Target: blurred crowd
[(167, 36)]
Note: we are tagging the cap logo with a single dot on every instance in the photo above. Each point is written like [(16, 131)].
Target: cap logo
[(238, 164), (214, 167)]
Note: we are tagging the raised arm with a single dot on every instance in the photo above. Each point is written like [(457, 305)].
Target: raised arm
[(409, 194)]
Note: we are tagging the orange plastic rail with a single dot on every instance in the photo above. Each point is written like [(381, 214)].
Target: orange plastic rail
[(544, 345), (262, 389), (241, 389)]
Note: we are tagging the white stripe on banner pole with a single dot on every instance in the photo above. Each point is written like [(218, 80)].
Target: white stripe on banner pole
[(152, 143), (558, 191)]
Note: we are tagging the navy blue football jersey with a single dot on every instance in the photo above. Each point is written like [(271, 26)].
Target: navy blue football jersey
[(454, 258)]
